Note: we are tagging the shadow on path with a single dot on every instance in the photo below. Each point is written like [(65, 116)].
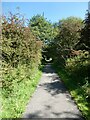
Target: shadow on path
[(51, 99), (47, 69), (36, 115)]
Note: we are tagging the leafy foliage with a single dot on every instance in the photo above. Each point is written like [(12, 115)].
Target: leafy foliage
[(76, 77), (69, 34), (41, 28), (18, 43), (66, 39), (85, 34), (19, 85), (21, 56)]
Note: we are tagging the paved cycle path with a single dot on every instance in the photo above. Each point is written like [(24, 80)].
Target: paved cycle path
[(51, 99)]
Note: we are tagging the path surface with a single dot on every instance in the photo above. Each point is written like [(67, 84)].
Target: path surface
[(51, 99)]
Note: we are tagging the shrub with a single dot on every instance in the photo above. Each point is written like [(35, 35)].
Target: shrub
[(21, 56)]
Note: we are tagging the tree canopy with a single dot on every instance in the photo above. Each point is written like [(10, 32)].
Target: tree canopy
[(85, 34), (41, 28), (66, 39)]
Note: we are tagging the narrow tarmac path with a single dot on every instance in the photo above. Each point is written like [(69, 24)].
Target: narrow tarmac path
[(51, 99)]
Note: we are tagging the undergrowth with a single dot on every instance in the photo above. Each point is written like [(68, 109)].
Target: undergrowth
[(16, 95), (76, 77)]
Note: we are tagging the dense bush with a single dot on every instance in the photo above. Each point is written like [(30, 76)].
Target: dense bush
[(18, 44), (79, 65), (79, 68), (76, 76), (21, 55)]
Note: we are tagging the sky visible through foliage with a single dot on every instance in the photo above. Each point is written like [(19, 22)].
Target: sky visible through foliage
[(53, 11)]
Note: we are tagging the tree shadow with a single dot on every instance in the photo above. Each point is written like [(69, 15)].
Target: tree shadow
[(62, 116), (54, 88), (48, 69)]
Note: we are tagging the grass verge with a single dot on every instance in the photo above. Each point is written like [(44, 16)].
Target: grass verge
[(23, 85)]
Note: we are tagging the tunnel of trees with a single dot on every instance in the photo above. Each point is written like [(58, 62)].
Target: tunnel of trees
[(66, 44)]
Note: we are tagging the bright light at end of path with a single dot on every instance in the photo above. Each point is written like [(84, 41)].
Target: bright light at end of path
[(50, 59)]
